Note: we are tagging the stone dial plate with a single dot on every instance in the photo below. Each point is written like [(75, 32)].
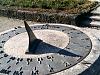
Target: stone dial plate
[(78, 48)]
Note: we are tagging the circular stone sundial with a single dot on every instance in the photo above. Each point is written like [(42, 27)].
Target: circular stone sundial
[(42, 49)]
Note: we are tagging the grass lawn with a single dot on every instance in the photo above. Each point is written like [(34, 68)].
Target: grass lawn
[(69, 6)]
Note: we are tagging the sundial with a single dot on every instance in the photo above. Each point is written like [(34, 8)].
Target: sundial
[(42, 49)]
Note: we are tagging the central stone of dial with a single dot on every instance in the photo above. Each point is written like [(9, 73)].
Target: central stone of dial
[(52, 42)]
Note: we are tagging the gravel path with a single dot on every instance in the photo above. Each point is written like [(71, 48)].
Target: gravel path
[(8, 23)]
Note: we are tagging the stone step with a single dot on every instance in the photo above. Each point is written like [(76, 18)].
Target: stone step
[(93, 18), (96, 11), (95, 23), (91, 23)]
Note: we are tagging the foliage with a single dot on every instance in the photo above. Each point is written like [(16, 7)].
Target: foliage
[(47, 4)]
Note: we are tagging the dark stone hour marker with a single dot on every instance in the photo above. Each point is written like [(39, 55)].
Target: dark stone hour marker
[(3, 41), (17, 63), (78, 33), (16, 73), (28, 61), (19, 27), (20, 68), (36, 72), (51, 69), (5, 55), (21, 59), (15, 27), (63, 30), (1, 57), (5, 71), (35, 68), (16, 33), (0, 46), (48, 57), (38, 59), (86, 38), (9, 67), (8, 61), (12, 58)]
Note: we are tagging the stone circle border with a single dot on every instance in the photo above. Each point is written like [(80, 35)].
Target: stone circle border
[(77, 69)]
